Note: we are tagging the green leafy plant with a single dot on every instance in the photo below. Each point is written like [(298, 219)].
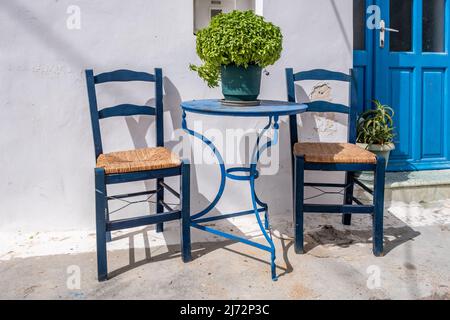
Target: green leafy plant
[(239, 37), (376, 126)]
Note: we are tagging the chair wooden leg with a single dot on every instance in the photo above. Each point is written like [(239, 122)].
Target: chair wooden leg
[(159, 206), (348, 197), (108, 233), (185, 212), (100, 209), (299, 173), (378, 202)]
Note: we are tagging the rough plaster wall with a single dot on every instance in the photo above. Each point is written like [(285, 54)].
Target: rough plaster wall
[(46, 149), (317, 34)]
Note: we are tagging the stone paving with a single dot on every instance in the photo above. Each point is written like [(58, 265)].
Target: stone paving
[(145, 265)]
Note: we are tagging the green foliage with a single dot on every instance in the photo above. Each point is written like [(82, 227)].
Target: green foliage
[(240, 38), (376, 126)]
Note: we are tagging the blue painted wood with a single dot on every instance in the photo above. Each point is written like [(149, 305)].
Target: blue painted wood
[(142, 221), (325, 106), (185, 212), (401, 99), (339, 166), (433, 115), (321, 74), (348, 197), (378, 202), (266, 109), (95, 123), (159, 200), (353, 113), (299, 174), (329, 208), (142, 175), (290, 81), (293, 128), (103, 225), (159, 108), (347, 208), (362, 94), (124, 110), (100, 222), (418, 165), (413, 83), (124, 76), (108, 233), (363, 66)]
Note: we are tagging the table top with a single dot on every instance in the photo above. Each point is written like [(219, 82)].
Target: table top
[(266, 108)]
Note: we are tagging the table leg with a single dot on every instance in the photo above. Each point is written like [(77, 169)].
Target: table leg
[(220, 162), (197, 219), (255, 159)]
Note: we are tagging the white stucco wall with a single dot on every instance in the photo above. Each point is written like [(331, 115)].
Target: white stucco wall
[(46, 148)]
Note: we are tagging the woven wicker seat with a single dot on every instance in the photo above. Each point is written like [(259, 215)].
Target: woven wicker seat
[(138, 160), (333, 153)]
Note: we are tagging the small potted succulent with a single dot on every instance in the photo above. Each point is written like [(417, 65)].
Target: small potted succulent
[(375, 130), (234, 48)]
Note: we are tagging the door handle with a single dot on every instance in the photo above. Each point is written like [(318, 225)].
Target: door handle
[(383, 30)]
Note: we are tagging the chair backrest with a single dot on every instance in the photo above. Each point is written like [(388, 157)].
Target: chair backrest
[(124, 109), (323, 106)]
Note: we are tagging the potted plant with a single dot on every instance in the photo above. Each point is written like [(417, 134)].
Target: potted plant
[(234, 48), (375, 130)]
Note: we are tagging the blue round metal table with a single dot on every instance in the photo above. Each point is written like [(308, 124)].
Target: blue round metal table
[(268, 109)]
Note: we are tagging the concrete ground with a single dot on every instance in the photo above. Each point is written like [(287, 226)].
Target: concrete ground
[(145, 265)]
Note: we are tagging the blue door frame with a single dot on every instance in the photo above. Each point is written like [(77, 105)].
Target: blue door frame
[(416, 84)]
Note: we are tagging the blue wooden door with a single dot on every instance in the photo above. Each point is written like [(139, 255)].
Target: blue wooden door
[(411, 74)]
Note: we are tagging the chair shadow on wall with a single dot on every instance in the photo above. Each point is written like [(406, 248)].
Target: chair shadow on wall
[(314, 124), (139, 129)]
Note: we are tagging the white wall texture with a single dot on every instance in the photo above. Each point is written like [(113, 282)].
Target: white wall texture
[(46, 148)]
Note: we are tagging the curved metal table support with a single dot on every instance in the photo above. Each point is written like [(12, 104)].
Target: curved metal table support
[(269, 109)]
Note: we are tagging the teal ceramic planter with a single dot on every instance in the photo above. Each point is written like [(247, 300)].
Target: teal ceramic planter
[(241, 84)]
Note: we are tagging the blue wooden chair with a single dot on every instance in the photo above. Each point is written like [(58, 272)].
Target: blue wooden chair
[(346, 157), (135, 165)]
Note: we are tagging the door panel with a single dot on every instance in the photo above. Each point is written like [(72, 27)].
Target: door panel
[(433, 114), (400, 98), (360, 73)]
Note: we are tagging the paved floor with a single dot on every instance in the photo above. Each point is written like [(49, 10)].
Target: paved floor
[(145, 265)]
